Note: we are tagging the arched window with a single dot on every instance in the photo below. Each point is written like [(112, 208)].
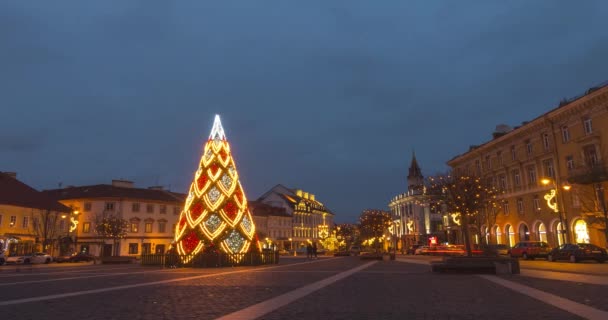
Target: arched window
[(524, 233), (510, 235), (581, 232), (498, 235), (542, 232)]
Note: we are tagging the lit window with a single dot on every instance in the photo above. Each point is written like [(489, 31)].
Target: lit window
[(13, 221), (134, 227), (148, 227), (86, 227)]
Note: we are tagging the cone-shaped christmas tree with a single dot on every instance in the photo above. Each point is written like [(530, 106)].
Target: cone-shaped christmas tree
[(215, 215)]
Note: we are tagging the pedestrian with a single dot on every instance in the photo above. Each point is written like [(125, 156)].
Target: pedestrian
[(314, 249), (308, 251)]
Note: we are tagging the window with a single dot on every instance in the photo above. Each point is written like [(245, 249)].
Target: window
[(87, 206), (133, 248), (536, 203), (520, 206), (590, 155), (62, 224), (565, 134), (35, 223), (576, 201), (109, 206), (148, 227), (502, 182), (163, 209), (134, 226), (516, 178), (162, 225), (546, 141), (86, 227), (529, 147), (150, 208), (146, 248), (175, 211), (26, 222), (548, 166), (531, 175), (499, 156), (13, 221), (135, 207), (505, 207), (513, 153), (488, 163), (588, 126), (570, 163), (477, 166)]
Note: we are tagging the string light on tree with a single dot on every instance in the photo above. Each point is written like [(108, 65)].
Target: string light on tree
[(215, 214)]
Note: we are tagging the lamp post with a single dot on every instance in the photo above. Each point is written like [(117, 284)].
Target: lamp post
[(552, 203)]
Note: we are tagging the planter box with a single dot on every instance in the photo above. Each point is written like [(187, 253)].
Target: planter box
[(492, 265)]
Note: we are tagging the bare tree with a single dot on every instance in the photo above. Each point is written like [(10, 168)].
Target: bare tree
[(45, 226), (468, 199), (111, 227), (373, 224)]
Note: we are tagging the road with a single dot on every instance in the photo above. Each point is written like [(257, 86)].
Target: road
[(327, 288)]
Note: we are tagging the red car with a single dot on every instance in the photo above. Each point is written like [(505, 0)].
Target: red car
[(530, 250)]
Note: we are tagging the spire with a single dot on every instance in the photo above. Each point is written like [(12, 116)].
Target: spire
[(217, 132), (414, 167)]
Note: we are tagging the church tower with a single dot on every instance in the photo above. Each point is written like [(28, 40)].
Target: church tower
[(415, 180)]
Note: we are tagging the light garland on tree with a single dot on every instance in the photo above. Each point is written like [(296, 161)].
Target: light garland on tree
[(215, 213)]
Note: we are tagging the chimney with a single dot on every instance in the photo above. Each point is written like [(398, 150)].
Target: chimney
[(501, 130), (159, 188), (122, 183), (11, 174)]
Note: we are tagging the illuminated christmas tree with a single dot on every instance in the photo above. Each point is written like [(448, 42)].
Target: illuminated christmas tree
[(215, 215)]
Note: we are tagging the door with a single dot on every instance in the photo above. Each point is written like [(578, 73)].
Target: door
[(107, 250), (160, 249)]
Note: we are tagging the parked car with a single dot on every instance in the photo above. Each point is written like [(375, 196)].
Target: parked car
[(412, 249), (422, 250), (355, 250), (530, 250), (578, 252), (499, 249), (81, 256), (38, 257)]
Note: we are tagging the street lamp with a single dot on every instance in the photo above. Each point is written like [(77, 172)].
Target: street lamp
[(552, 203)]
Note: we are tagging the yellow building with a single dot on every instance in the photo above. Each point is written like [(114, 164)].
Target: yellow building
[(151, 215), (564, 150), (29, 220)]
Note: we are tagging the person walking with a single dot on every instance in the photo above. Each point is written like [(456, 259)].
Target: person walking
[(309, 251), (314, 249)]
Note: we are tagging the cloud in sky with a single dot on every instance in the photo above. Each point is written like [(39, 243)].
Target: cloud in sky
[(331, 97)]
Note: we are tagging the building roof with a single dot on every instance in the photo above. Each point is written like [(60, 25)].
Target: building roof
[(602, 88), (16, 193), (110, 191), (262, 209), (290, 196)]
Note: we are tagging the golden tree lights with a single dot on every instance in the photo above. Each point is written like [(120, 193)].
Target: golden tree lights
[(215, 215)]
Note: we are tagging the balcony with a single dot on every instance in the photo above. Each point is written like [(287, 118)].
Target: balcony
[(588, 175)]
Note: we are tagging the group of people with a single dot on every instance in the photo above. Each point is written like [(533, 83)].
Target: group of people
[(311, 250)]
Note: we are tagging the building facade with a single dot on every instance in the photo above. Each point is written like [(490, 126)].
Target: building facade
[(552, 171), (311, 220), (151, 215), (415, 220), (30, 221), (273, 224)]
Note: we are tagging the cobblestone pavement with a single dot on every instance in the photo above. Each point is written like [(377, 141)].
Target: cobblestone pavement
[(384, 290)]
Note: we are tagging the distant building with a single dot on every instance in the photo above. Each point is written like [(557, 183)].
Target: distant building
[(414, 219), (273, 223), (151, 215), (29, 220), (311, 220)]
